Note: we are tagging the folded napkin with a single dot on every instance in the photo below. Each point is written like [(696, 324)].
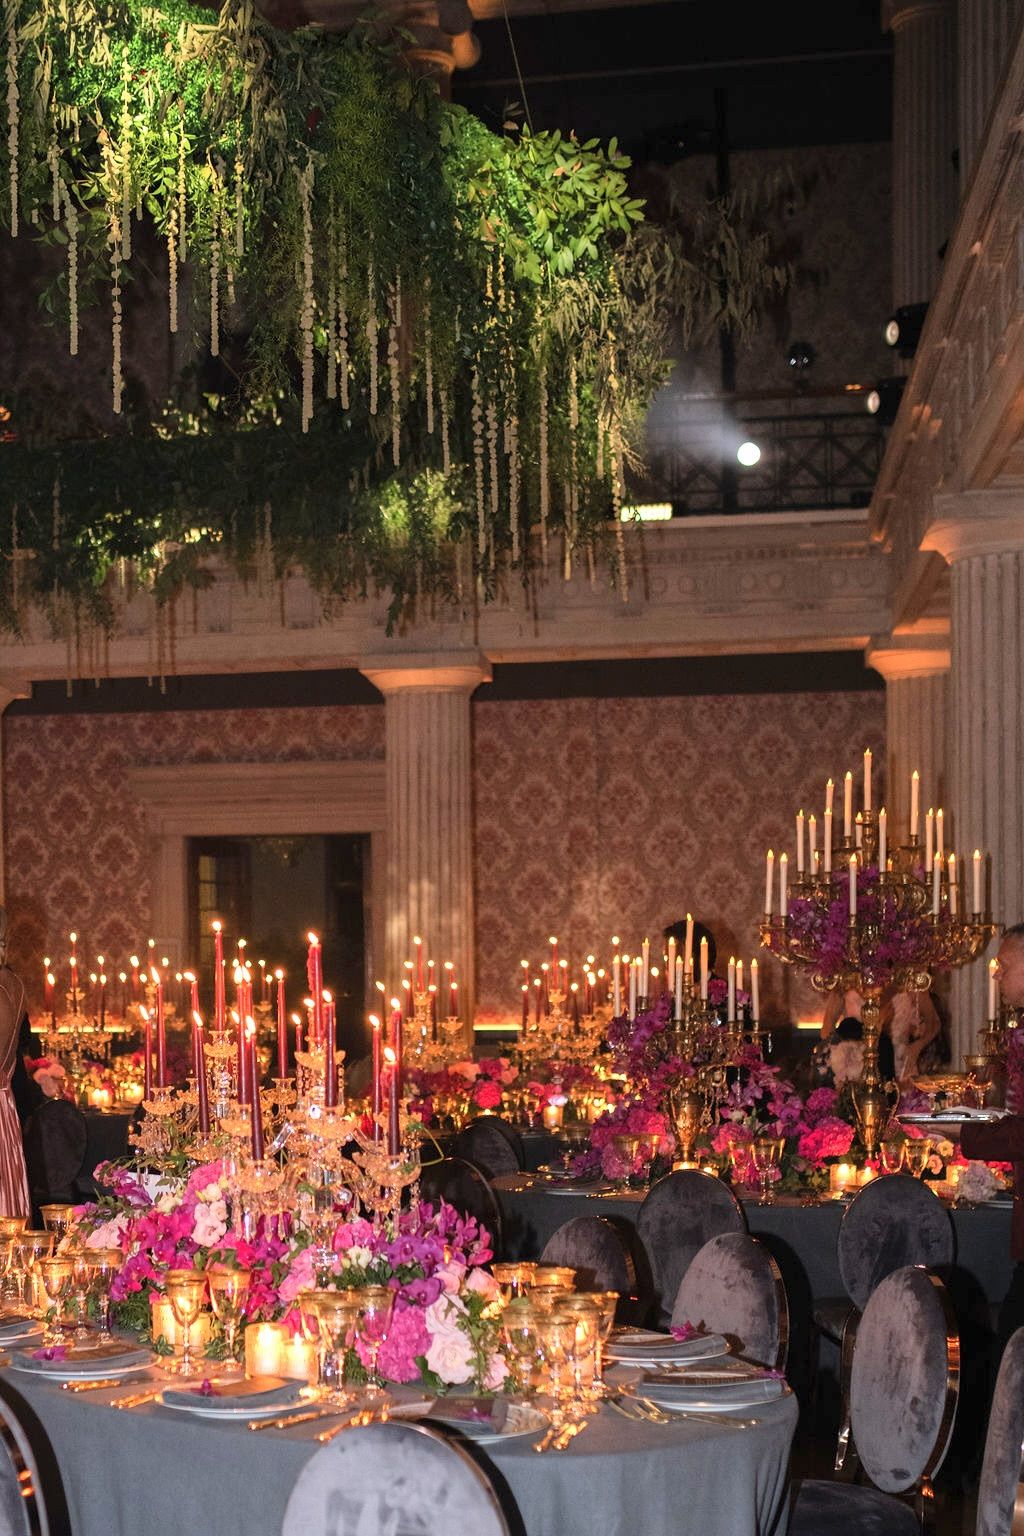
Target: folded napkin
[(252, 1393), (63, 1358), (684, 1394)]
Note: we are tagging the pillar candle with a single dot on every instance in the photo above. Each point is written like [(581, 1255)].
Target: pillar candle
[(993, 991), (731, 996), (915, 803), (848, 805), (161, 1036), (769, 872), (867, 780), (929, 840), (799, 842), (826, 842), (688, 950), (315, 968), (954, 891), (264, 1349), (256, 1121), (219, 1000), (784, 886), (199, 1068), (330, 1047), (853, 885), (147, 1053), (703, 970), (755, 991), (976, 897), (282, 1026), (883, 830), (375, 1080)]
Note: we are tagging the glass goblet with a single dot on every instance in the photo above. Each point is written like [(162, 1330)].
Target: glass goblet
[(893, 1154), (606, 1303), (34, 1245), (767, 1155), (229, 1291), (337, 1315), (54, 1279), (553, 1276), (558, 1341), (918, 1151), (186, 1289), (582, 1353), (513, 1279), (520, 1326), (82, 1276), (58, 1219), (376, 1303), (104, 1264)]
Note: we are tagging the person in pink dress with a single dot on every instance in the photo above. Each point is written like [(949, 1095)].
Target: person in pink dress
[(14, 1200)]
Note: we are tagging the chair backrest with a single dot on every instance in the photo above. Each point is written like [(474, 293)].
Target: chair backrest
[(402, 1480), (681, 1213), (905, 1380), (733, 1286), (1002, 1469), (598, 1251), (894, 1221), (464, 1186), (32, 1500), (55, 1140), (492, 1145)]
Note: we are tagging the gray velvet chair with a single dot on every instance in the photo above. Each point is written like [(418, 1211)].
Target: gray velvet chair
[(681, 1213), (32, 1499), (436, 1483), (491, 1145), (598, 1251), (733, 1286), (1002, 1472), (904, 1383), (462, 1185)]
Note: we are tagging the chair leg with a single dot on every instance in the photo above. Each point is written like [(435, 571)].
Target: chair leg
[(846, 1461)]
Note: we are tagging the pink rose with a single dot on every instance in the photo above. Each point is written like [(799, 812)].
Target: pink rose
[(496, 1373), (450, 1355), (483, 1283), (299, 1278), (451, 1276)]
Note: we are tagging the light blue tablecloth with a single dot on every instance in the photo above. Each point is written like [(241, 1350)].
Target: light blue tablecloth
[(153, 1472)]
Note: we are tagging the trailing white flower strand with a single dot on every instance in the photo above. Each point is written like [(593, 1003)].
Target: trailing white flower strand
[(172, 270), (307, 313), (394, 371), (542, 456), (182, 192), (53, 161), (71, 221), (13, 105), (477, 415), (215, 293), (239, 210), (372, 334), (343, 359), (446, 450), (428, 364), (125, 152), (115, 305), (513, 482)]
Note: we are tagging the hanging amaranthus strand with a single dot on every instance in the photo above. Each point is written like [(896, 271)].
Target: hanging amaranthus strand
[(307, 312)]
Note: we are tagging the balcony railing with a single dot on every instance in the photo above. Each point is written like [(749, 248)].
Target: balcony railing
[(823, 460)]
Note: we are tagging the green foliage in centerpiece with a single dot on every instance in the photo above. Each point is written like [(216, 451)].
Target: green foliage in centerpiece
[(444, 338)]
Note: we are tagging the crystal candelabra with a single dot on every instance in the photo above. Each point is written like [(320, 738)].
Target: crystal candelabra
[(880, 919), (710, 1048)]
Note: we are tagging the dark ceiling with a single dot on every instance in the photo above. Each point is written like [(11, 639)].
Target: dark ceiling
[(789, 73)]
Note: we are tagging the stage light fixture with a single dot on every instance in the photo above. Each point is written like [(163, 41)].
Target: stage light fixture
[(903, 328), (884, 400), (748, 454)]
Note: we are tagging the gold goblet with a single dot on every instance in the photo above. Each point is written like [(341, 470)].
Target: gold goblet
[(54, 1278), (34, 1245), (229, 1291), (337, 1315), (104, 1263), (186, 1289), (376, 1303)]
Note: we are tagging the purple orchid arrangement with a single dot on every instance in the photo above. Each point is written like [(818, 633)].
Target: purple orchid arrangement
[(889, 940)]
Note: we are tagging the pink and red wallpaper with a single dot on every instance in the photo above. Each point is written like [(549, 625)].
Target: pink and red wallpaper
[(593, 816)]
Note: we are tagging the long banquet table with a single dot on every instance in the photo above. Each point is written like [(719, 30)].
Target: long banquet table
[(163, 1472), (802, 1237)]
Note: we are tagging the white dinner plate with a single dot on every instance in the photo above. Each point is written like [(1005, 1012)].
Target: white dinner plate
[(765, 1391), (238, 1408), (56, 1372), (524, 1422), (641, 1347)]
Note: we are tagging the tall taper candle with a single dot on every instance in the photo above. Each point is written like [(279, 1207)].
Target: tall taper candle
[(616, 986), (678, 998), (256, 1120), (688, 951), (219, 1000), (929, 840), (799, 842), (954, 889), (867, 780), (731, 990), (199, 1068), (769, 873), (976, 884), (993, 991), (755, 991), (282, 1026), (784, 886), (703, 970), (645, 968), (330, 1046), (853, 885), (315, 967), (826, 843), (375, 1084), (147, 1053), (161, 1036), (915, 804), (848, 804), (883, 830)]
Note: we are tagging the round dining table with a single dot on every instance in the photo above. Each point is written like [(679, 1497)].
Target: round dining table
[(164, 1472)]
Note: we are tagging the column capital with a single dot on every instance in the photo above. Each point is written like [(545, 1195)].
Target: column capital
[(916, 650), (12, 688), (900, 13), (976, 523), (426, 671)]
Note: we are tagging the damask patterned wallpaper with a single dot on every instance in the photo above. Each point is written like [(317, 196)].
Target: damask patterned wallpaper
[(592, 816)]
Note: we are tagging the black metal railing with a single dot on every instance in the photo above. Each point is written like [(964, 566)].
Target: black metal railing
[(807, 461)]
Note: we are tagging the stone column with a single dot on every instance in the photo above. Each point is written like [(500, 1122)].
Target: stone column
[(985, 33), (915, 665), (924, 128), (10, 689), (429, 831), (981, 535)]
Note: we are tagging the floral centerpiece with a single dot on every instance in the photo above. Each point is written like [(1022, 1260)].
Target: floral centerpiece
[(444, 1327)]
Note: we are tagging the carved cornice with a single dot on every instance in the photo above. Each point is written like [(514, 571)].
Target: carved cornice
[(919, 650), (714, 585)]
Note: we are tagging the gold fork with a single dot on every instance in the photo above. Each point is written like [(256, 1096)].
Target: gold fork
[(356, 1421), (288, 1419), (92, 1386), (137, 1399)]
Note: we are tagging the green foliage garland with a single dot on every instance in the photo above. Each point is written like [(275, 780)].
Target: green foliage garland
[(444, 340)]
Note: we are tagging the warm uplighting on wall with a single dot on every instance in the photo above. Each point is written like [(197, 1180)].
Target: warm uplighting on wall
[(646, 512)]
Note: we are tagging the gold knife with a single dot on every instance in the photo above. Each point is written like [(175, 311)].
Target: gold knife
[(137, 1400), (92, 1386), (288, 1419)]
